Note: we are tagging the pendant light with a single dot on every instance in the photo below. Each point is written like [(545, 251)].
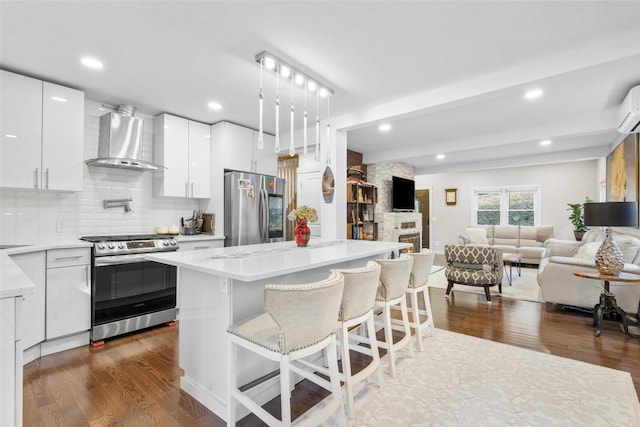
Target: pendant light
[(327, 146), (292, 147), (277, 146), (317, 155), (304, 123), (260, 108)]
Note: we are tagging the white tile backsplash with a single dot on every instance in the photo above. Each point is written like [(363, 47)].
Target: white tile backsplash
[(30, 216)]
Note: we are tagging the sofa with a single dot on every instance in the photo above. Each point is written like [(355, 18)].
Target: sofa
[(528, 241), (563, 257)]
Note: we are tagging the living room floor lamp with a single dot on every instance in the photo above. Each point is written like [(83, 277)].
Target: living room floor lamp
[(609, 259)]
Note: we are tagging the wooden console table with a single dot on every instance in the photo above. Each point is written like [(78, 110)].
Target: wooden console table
[(608, 303)]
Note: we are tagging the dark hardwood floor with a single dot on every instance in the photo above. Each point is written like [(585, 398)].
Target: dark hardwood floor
[(134, 380)]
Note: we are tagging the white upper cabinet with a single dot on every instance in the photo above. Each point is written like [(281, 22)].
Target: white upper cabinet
[(183, 147), (62, 137), (266, 160), (200, 160), (21, 130), (42, 133), (237, 149)]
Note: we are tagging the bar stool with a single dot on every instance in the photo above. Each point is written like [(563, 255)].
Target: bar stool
[(356, 310), (418, 282), (394, 281), (300, 320)]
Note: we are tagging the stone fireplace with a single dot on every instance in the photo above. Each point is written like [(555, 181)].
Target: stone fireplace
[(413, 238)]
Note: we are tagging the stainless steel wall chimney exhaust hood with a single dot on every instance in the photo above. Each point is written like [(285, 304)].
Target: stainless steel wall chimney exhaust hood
[(120, 141)]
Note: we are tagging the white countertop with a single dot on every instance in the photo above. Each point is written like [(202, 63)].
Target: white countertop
[(13, 281), (256, 262)]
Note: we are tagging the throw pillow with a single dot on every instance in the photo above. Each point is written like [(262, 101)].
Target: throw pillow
[(588, 250), (477, 236)]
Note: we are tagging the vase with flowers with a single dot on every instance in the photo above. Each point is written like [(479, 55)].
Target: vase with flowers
[(301, 216)]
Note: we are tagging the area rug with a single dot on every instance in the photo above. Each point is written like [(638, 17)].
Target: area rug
[(467, 381), (524, 287)]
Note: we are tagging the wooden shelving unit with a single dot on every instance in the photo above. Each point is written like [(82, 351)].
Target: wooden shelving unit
[(361, 204)]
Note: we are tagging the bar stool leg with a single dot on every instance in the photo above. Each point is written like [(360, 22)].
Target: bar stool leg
[(405, 321), (371, 333), (427, 304), (334, 376), (346, 368), (416, 319), (285, 391), (233, 380), (388, 336)]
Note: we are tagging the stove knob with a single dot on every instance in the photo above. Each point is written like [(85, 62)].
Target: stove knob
[(173, 242), (111, 246), (100, 245), (120, 245), (165, 242)]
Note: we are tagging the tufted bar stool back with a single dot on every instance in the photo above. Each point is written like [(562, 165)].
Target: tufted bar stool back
[(356, 309), (392, 289), (300, 320), (419, 283)]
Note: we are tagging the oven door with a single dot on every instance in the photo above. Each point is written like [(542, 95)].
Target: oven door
[(128, 285)]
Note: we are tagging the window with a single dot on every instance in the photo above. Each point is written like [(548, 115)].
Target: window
[(508, 205)]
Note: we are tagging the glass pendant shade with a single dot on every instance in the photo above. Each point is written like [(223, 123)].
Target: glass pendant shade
[(260, 111), (292, 147)]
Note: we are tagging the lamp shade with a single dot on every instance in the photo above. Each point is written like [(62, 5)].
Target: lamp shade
[(611, 214)]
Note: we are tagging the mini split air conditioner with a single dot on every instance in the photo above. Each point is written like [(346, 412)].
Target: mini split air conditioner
[(629, 114)]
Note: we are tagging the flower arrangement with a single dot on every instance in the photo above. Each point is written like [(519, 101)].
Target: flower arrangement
[(303, 212)]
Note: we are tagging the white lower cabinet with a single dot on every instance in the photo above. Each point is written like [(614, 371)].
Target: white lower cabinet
[(11, 361), (68, 298), (33, 264)]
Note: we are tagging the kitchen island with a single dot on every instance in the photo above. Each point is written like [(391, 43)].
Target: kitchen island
[(217, 287)]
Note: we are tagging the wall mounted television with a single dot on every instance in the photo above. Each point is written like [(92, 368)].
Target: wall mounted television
[(403, 194)]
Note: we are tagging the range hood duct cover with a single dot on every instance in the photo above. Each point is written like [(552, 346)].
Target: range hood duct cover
[(120, 141)]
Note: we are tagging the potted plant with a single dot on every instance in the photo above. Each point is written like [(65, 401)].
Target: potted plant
[(577, 218)]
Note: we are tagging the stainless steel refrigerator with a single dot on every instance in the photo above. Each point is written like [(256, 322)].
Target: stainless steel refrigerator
[(254, 208)]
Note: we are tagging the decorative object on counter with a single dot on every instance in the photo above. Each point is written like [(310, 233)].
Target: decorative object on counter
[(302, 215), (577, 218), (117, 203), (208, 223), (609, 258), (192, 225), (300, 78), (162, 229), (173, 229)]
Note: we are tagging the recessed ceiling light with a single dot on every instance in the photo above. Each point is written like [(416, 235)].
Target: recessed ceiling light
[(11, 136), (91, 63), (385, 127), (299, 79), (269, 63), (311, 86), (323, 92), (440, 156), (545, 142), (59, 99), (533, 94), (215, 106)]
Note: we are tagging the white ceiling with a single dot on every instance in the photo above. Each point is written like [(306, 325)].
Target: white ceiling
[(448, 76)]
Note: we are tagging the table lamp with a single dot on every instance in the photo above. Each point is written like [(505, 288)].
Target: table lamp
[(609, 259)]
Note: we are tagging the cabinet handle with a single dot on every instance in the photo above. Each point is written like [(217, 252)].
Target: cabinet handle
[(68, 257), (186, 189), (46, 171), (192, 189), (35, 178), (88, 275), (197, 248)]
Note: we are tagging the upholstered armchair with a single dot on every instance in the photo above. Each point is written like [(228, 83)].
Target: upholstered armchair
[(473, 266)]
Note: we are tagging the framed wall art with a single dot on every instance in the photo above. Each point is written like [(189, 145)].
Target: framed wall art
[(622, 171), (451, 196)]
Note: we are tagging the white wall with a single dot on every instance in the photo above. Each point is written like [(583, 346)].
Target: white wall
[(29, 216), (560, 184)]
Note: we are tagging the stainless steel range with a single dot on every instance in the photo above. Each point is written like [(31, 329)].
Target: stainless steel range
[(128, 291)]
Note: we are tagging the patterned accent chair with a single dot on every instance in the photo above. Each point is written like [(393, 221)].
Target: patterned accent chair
[(473, 266)]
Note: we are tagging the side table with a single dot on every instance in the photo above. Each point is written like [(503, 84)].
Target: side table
[(510, 259), (608, 303)]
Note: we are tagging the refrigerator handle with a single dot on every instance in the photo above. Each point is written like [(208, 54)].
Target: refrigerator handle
[(264, 215)]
